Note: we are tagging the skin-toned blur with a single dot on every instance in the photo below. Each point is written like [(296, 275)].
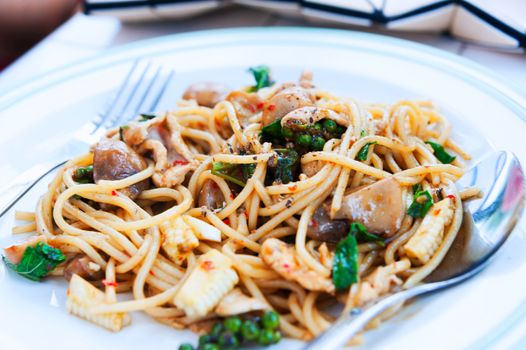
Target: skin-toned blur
[(23, 23)]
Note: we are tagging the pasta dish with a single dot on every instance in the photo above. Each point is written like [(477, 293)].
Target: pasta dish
[(248, 214)]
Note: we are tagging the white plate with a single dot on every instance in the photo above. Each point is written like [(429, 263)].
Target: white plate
[(486, 113)]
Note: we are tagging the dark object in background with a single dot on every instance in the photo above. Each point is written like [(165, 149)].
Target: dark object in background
[(23, 23)]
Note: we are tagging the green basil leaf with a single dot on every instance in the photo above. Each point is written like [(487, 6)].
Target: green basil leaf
[(248, 170), (286, 165), (362, 235), (144, 117), (37, 262), (364, 151), (229, 172), (262, 76), (417, 209), (345, 263), (441, 153), (272, 132)]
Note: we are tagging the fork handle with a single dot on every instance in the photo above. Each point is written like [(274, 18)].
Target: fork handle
[(12, 193)]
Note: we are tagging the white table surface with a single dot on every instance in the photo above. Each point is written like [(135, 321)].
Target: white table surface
[(84, 36)]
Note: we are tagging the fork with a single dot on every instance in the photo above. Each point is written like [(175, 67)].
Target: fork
[(141, 91)]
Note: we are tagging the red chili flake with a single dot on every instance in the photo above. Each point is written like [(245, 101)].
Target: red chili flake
[(231, 195), (293, 187), (286, 267), (314, 223), (271, 107), (227, 221), (207, 265), (110, 284), (113, 193), (260, 105), (252, 109), (152, 273), (450, 196), (180, 162), (436, 212)]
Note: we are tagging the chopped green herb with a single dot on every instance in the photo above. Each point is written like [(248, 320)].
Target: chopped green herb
[(364, 151), (441, 153), (345, 263), (37, 262), (262, 76), (272, 132), (84, 175), (229, 172), (144, 117), (362, 235), (363, 133), (287, 163), (248, 170), (121, 131), (422, 201)]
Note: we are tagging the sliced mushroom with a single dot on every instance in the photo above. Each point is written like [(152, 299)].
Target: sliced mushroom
[(114, 160), (15, 252), (210, 196), (206, 93), (379, 207), (323, 228), (82, 265), (284, 102)]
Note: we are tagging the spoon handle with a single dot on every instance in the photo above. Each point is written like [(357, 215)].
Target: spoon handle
[(352, 323)]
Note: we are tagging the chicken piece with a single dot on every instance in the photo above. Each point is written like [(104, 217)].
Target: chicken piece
[(379, 207), (236, 302), (206, 93), (114, 160), (301, 118), (323, 228), (211, 196), (285, 101), (82, 266), (15, 252), (161, 140), (82, 296), (380, 282), (424, 243), (246, 105), (178, 239), (212, 279), (283, 259)]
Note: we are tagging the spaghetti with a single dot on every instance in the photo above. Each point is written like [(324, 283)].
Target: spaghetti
[(260, 198)]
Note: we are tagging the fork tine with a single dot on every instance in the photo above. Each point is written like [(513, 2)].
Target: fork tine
[(146, 91), (157, 99), (116, 120), (113, 104)]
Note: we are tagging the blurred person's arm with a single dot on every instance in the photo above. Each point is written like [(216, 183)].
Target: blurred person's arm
[(25, 22)]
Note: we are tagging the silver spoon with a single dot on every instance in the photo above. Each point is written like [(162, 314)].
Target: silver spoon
[(487, 223)]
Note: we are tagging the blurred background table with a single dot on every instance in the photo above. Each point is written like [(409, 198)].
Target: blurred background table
[(84, 36)]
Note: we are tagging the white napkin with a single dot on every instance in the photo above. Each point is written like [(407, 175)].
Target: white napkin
[(500, 24)]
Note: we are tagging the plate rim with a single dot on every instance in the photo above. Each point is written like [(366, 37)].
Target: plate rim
[(475, 72)]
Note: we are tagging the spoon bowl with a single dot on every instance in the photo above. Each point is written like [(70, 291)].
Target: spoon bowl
[(487, 223)]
